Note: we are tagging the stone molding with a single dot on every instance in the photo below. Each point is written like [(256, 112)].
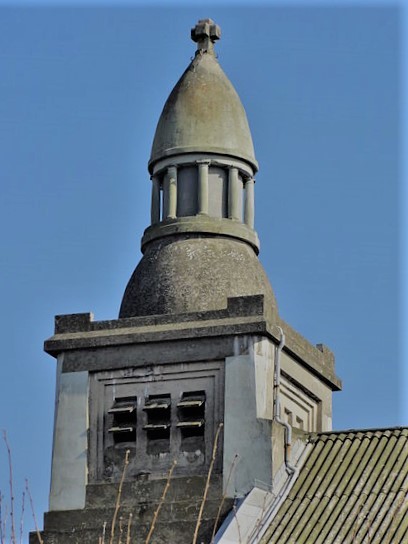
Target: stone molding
[(243, 316)]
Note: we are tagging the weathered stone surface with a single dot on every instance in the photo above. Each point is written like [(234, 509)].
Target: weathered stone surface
[(204, 226), (175, 523), (189, 488), (318, 359), (236, 307), (203, 114), (211, 331), (174, 532), (190, 274), (198, 320)]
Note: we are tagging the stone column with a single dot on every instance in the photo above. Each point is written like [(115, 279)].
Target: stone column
[(171, 192), (233, 194), (155, 206), (203, 187), (249, 208)]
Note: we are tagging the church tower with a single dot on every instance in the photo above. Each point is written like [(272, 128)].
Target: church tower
[(199, 388)]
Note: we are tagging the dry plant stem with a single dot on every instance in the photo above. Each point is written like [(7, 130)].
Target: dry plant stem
[(22, 517), (4, 524), (156, 514), (118, 497), (260, 518), (128, 528), (207, 484), (13, 531), (238, 527), (102, 538), (2, 531), (40, 540), (224, 496), (1, 520), (120, 530)]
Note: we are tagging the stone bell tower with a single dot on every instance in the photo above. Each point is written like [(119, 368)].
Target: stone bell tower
[(199, 349)]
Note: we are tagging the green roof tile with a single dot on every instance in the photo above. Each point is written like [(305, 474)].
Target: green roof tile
[(352, 488)]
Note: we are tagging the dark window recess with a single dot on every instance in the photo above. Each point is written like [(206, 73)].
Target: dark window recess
[(299, 423), (158, 411), (123, 420), (191, 420)]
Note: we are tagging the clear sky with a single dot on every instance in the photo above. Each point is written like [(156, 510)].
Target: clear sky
[(81, 90)]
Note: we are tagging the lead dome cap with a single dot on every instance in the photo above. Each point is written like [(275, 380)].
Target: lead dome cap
[(203, 113)]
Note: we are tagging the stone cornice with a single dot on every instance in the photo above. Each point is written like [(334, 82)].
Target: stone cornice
[(243, 316)]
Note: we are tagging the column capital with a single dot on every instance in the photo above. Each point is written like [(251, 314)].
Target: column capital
[(203, 161)]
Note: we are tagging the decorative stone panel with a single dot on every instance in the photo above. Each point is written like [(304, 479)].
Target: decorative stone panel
[(159, 413)]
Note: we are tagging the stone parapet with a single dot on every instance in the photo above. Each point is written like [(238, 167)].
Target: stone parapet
[(242, 316)]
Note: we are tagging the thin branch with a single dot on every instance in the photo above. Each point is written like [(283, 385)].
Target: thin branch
[(117, 505), (22, 517), (2, 535), (260, 517), (238, 527), (224, 496), (13, 531), (156, 514), (4, 524), (120, 529), (40, 540), (101, 539), (128, 528), (207, 484)]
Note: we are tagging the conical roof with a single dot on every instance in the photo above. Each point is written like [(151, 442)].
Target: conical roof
[(203, 114)]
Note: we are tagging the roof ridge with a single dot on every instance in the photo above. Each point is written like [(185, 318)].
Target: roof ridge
[(313, 437)]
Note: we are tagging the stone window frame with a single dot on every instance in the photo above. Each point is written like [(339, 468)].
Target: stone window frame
[(185, 375)]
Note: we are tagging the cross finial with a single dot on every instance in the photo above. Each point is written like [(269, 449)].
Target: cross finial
[(205, 33)]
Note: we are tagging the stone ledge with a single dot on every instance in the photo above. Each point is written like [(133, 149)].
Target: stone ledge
[(243, 316), (319, 359), (201, 225), (236, 307), (116, 337), (170, 532)]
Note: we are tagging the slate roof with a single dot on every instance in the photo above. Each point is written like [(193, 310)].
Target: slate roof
[(352, 488)]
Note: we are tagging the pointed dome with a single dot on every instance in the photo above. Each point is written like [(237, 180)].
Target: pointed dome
[(201, 247), (203, 113)]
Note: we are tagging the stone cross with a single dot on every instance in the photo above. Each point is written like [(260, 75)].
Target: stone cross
[(205, 33)]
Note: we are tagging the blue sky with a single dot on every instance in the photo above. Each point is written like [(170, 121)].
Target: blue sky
[(81, 90)]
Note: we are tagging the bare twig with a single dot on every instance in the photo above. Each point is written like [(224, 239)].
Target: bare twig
[(260, 517), (40, 540), (120, 529), (12, 529), (238, 527), (224, 496), (4, 523), (207, 484), (128, 528), (101, 539), (22, 517), (118, 497), (156, 513), (2, 535)]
